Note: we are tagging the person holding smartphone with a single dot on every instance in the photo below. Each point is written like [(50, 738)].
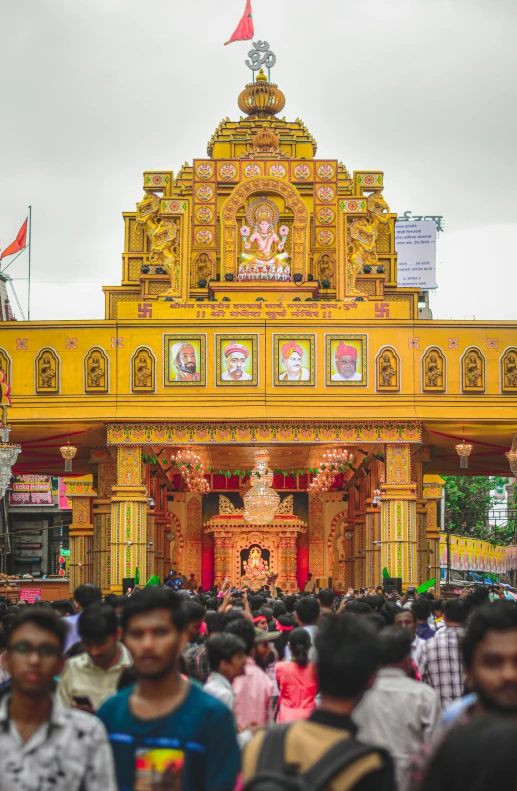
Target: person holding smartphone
[(92, 677)]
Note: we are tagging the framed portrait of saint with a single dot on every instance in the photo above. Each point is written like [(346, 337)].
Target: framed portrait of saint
[(185, 360), (294, 360), (346, 360), (236, 360)]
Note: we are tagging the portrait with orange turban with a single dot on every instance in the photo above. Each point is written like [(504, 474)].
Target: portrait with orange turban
[(292, 353), (347, 358)]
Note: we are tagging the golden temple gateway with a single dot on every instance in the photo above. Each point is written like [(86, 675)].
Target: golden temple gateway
[(259, 308)]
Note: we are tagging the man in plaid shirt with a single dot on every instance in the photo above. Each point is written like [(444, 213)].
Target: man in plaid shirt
[(440, 663)]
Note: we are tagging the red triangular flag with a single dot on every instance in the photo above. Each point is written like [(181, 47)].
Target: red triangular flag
[(19, 242), (245, 29)]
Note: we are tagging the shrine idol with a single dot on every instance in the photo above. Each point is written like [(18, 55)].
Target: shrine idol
[(269, 261)]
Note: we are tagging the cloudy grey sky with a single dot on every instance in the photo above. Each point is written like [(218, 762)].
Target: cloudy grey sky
[(94, 92)]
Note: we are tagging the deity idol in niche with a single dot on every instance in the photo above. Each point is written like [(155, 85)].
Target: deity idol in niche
[(255, 566), (265, 251)]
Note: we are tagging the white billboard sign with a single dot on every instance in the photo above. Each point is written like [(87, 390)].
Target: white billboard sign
[(415, 243)]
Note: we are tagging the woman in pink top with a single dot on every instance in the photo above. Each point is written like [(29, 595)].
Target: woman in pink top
[(297, 680)]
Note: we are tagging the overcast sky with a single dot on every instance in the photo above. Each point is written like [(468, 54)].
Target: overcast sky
[(94, 92)]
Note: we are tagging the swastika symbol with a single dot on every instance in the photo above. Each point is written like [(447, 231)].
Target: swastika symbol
[(145, 311), (382, 310)]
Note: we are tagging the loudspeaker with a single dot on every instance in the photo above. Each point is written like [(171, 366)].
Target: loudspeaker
[(127, 582), (392, 584)]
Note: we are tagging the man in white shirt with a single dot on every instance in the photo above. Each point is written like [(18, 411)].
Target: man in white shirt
[(92, 677), (346, 364), (43, 745), (407, 619), (227, 659), (398, 713)]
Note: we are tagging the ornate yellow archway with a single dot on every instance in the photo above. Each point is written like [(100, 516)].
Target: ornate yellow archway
[(230, 236)]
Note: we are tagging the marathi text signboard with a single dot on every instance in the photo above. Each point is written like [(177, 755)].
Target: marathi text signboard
[(415, 243), (31, 490), (30, 595)]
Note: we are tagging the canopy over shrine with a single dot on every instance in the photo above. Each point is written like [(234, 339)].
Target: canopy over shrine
[(259, 305)]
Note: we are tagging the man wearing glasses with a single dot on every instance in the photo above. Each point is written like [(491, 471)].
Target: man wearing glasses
[(42, 744)]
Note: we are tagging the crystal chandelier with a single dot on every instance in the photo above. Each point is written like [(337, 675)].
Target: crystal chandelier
[(463, 449), (261, 501), (68, 453), (9, 451), (8, 455), (511, 455)]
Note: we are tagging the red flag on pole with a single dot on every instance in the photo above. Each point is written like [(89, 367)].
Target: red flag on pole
[(19, 242), (245, 29)]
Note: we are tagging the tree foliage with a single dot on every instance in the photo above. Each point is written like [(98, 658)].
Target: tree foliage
[(467, 501)]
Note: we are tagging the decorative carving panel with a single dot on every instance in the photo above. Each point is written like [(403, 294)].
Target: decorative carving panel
[(96, 371)]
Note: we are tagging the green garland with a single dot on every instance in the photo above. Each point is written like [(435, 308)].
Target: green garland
[(249, 473)]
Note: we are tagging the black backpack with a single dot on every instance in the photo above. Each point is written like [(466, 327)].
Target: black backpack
[(274, 774)]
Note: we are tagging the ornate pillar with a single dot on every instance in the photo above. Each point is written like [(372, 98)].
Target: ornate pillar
[(316, 536), (398, 516), (192, 565), (106, 479), (81, 493), (433, 492), (128, 518), (419, 457), (287, 579), (223, 552)]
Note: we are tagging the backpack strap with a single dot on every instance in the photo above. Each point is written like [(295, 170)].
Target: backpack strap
[(345, 753), (272, 752)]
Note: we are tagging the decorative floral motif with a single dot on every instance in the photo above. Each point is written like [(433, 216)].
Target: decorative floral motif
[(369, 180), (325, 172), (22, 344), (252, 170), (491, 343), (325, 237), (325, 194), (302, 172), (117, 343), (204, 214), (71, 343), (454, 343), (228, 171), (326, 216), (205, 171), (204, 236), (353, 205), (413, 343), (172, 206), (277, 170), (205, 192)]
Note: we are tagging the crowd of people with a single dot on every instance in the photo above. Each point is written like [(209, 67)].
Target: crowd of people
[(168, 689)]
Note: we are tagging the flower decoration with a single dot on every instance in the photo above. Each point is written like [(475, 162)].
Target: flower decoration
[(192, 471), (334, 461)]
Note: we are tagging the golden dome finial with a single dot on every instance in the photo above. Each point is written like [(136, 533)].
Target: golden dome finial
[(265, 140), (261, 99)]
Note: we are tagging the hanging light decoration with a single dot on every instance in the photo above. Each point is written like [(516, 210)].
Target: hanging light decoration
[(8, 454), (463, 449), (191, 470), (261, 501), (511, 455), (334, 461), (68, 453)]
